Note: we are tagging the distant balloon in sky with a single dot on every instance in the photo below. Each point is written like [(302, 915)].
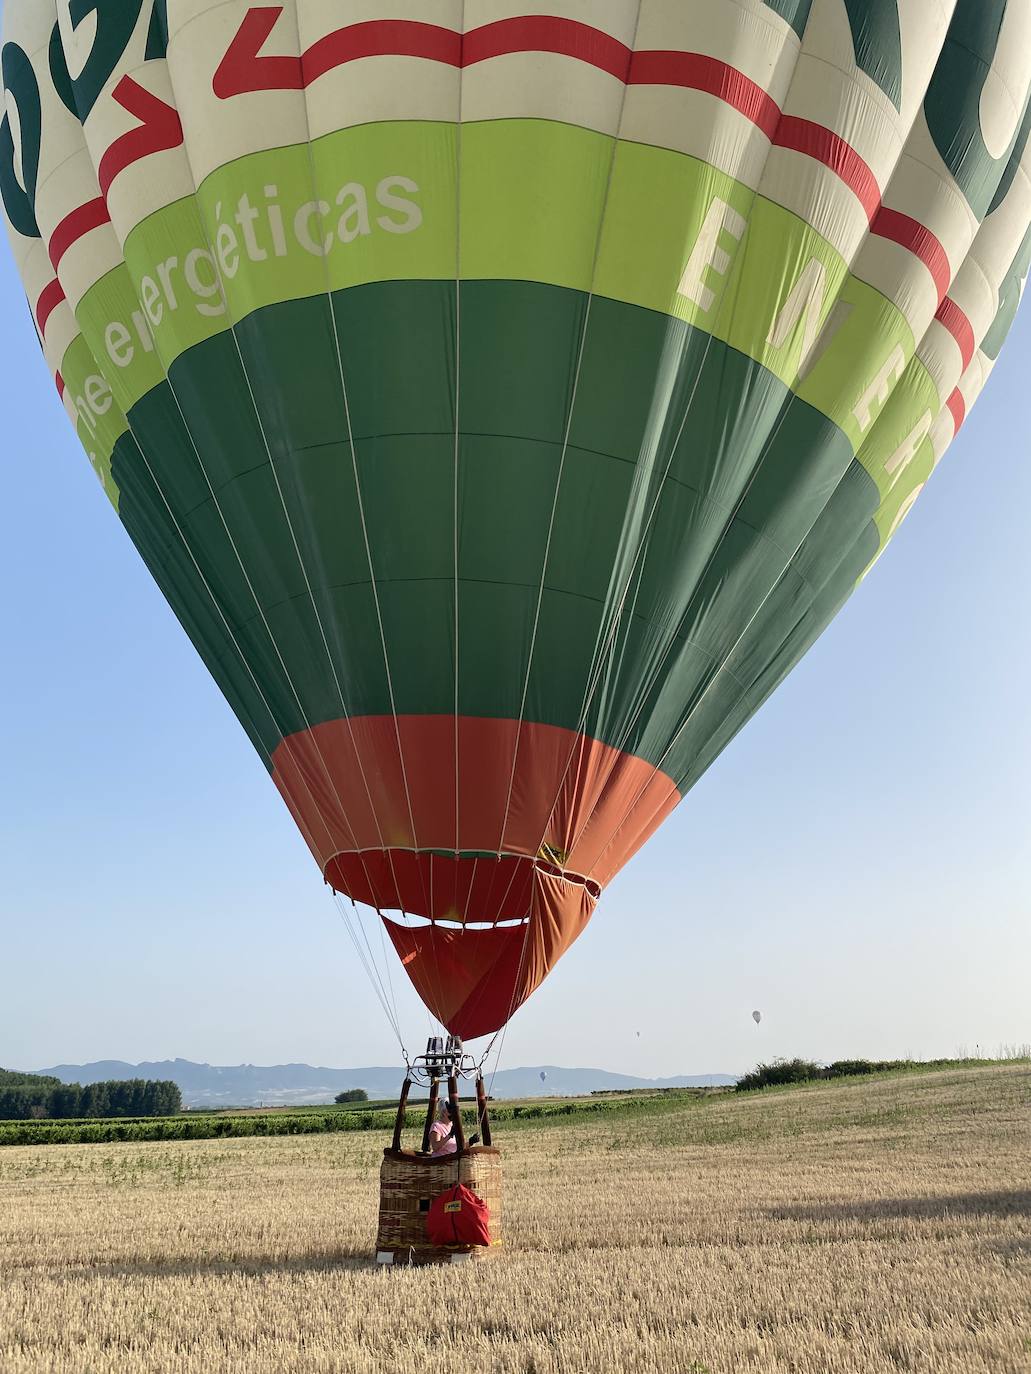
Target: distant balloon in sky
[(757, 1016), (543, 1075)]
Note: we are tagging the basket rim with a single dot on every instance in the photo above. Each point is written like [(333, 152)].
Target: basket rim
[(417, 1157)]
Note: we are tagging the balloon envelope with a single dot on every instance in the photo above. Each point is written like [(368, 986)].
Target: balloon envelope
[(504, 403), (757, 1017)]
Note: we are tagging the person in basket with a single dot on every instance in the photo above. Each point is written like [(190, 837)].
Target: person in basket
[(442, 1132)]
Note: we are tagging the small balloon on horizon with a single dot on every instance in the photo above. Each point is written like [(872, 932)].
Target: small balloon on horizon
[(757, 1016)]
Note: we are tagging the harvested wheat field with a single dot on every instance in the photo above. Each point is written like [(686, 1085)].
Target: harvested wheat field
[(852, 1226)]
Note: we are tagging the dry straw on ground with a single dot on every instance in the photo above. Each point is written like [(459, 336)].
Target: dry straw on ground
[(856, 1227)]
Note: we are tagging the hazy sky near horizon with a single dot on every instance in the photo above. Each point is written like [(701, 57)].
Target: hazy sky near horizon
[(855, 865)]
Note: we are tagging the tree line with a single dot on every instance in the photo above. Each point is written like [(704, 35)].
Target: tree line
[(208, 1126), (33, 1097), (782, 1071)]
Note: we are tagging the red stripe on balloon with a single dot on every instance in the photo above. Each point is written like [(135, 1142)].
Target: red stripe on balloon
[(75, 226), (955, 321), (547, 33), (958, 407), (380, 38), (823, 145), (59, 383), (918, 239), (242, 70), (696, 72), (159, 129), (49, 299)]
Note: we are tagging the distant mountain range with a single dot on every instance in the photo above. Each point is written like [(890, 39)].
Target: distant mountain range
[(251, 1085)]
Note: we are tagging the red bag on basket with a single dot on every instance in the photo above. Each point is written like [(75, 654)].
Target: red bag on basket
[(458, 1217)]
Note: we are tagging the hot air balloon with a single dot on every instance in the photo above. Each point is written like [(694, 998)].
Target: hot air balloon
[(757, 1016), (543, 1076), (505, 402)]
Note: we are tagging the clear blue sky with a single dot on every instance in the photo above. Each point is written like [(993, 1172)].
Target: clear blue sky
[(855, 865)]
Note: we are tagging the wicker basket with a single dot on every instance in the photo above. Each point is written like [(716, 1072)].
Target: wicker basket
[(409, 1182)]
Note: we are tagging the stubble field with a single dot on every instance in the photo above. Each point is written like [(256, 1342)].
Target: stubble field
[(853, 1226)]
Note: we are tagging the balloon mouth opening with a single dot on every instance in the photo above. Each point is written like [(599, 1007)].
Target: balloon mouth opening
[(410, 920), (471, 972), (457, 888)]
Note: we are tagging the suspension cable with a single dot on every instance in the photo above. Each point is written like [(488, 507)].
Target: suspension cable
[(370, 969)]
